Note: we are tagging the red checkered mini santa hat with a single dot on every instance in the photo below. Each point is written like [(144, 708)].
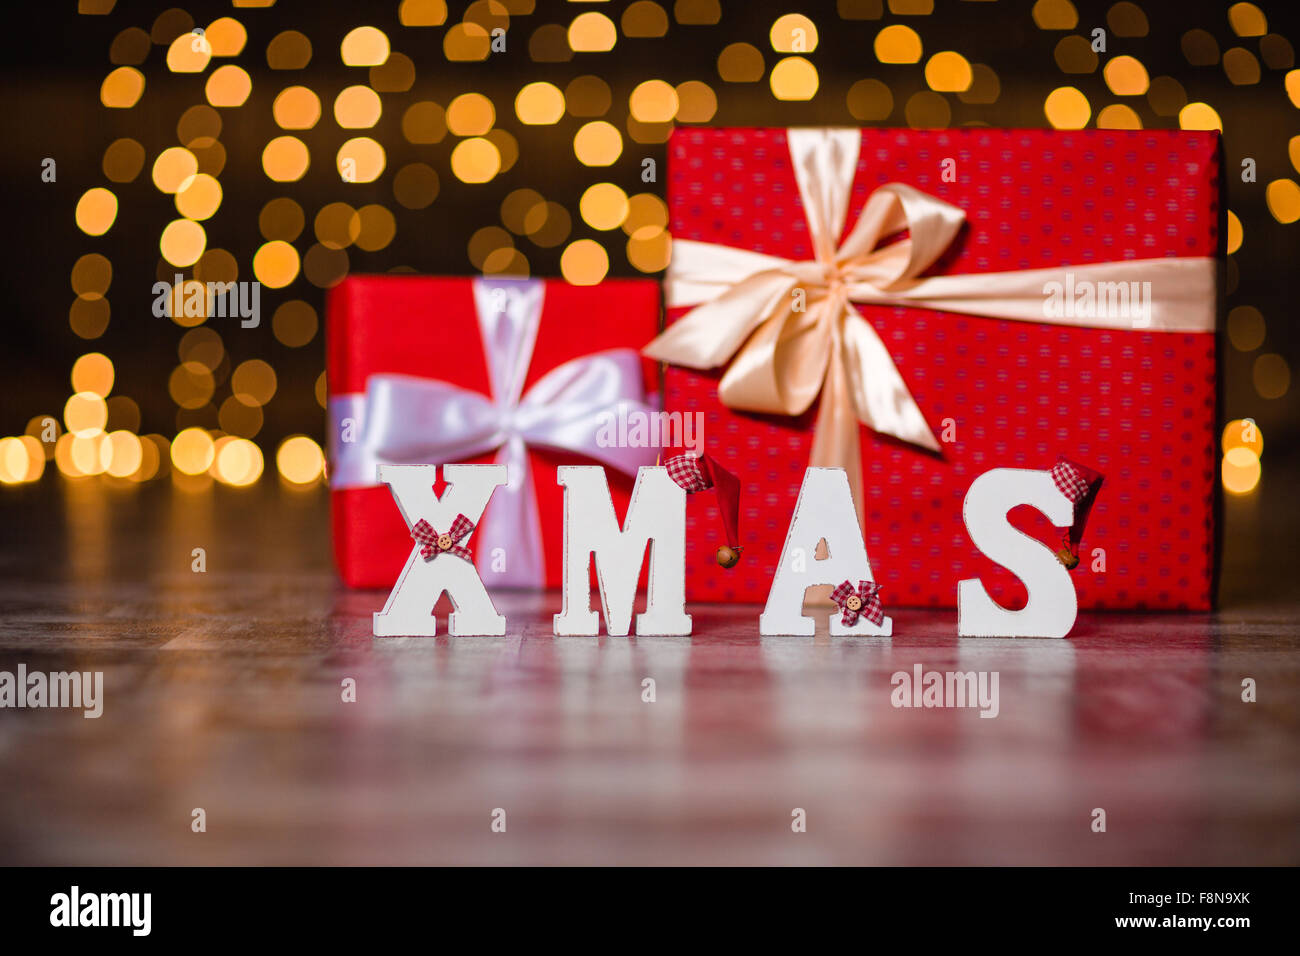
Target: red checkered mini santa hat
[(695, 472), (1080, 484)]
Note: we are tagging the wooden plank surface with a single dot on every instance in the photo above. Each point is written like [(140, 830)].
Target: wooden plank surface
[(223, 691)]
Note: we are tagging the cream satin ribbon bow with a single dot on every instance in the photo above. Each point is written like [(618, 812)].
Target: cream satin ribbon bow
[(791, 332)]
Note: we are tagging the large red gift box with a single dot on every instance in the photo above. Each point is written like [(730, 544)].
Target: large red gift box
[(431, 334), (1136, 405)]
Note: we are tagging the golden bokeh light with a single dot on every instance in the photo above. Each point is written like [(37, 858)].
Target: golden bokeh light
[(360, 160), (289, 50), (1118, 116), (1271, 375), (1074, 54), (696, 102), (1241, 67), (948, 72), (189, 53), (1247, 20), (299, 460), (1241, 471), (1236, 235), (926, 109), (92, 274), (653, 101), (122, 88), (469, 42), (1243, 433), (740, 63), (584, 262), (199, 198), (281, 218), (644, 18), (226, 36), (1126, 76), (1067, 108), (173, 168), (649, 249), (793, 78), (1283, 198), (276, 264), (475, 160), (898, 44), (236, 418), (123, 413), (416, 185), (1246, 328), (604, 206), (539, 104), (85, 413), (96, 211), (597, 143), (296, 107), (192, 451), (470, 114), (88, 316), (375, 227), (93, 373), (191, 385), (125, 454), (286, 159), (238, 462), (1199, 116), (294, 324), (793, 33), (228, 86), (253, 382), (1055, 15), (336, 225), (364, 46), (592, 32), (422, 13), (90, 454), (589, 96), (357, 107), (123, 160), (182, 242), (870, 100)]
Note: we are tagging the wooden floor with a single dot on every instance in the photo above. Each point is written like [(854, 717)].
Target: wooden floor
[(223, 691)]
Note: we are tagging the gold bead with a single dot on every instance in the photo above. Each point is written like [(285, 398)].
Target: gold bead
[(1070, 561), (728, 556)]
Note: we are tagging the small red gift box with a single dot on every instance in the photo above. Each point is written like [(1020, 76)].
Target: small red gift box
[(457, 370), (1001, 361)]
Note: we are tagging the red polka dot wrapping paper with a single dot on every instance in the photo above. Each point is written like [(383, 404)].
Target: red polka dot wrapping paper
[(1138, 406)]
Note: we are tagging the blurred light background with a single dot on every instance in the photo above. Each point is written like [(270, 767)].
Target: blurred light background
[(294, 144)]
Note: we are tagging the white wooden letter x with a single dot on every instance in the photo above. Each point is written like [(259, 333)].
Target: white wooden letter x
[(440, 564)]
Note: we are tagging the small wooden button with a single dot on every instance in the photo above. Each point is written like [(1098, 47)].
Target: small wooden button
[(854, 603), (444, 542)]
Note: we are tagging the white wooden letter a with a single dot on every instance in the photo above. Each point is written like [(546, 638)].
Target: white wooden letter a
[(824, 510), (409, 609)]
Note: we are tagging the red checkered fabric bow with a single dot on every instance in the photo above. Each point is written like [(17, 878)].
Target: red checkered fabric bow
[(685, 470), (864, 601), (433, 543)]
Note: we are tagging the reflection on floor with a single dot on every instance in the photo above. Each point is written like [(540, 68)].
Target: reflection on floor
[(224, 691)]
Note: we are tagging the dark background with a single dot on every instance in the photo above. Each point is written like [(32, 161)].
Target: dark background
[(56, 59)]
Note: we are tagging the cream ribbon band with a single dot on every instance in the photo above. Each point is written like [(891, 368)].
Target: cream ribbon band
[(785, 348)]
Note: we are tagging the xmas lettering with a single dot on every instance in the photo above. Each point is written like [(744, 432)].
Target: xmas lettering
[(654, 529)]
